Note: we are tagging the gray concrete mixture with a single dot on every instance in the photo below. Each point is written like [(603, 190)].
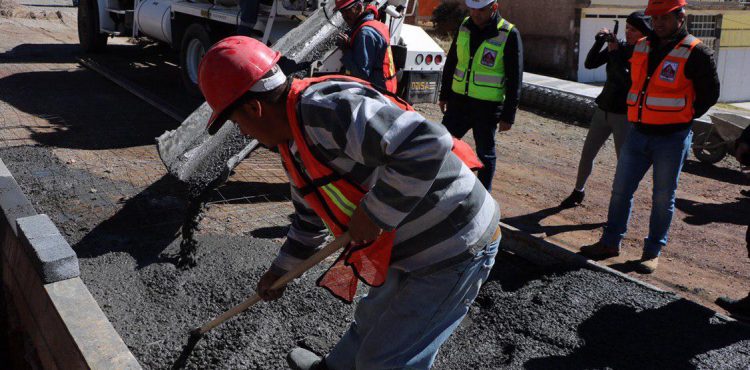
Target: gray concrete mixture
[(524, 317)]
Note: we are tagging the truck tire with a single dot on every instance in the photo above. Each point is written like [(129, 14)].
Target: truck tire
[(89, 37), (195, 43)]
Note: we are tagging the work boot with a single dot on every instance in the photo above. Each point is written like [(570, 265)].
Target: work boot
[(599, 251), (573, 200), (647, 265), (736, 307), (302, 359)]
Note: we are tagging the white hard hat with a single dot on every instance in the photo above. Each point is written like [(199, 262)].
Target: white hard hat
[(478, 4)]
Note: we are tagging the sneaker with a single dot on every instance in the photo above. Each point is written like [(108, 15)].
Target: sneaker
[(647, 265), (736, 307), (574, 199), (599, 251), (302, 359)]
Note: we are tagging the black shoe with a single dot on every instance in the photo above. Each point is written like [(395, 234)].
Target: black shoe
[(736, 307), (598, 251), (574, 199)]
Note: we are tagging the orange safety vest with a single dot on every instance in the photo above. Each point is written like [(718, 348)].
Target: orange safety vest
[(335, 198), (666, 96), (388, 67)]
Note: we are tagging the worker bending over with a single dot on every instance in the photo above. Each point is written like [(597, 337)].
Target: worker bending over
[(674, 81), (367, 47), (424, 230), (482, 80)]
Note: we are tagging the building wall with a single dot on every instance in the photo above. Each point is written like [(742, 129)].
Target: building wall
[(733, 46), (549, 29)]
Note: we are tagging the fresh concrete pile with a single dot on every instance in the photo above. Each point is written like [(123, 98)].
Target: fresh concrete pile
[(201, 160)]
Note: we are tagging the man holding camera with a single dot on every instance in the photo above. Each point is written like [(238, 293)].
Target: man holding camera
[(674, 81)]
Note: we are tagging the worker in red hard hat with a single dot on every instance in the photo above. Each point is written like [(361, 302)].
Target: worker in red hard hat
[(367, 47), (424, 231), (674, 81)]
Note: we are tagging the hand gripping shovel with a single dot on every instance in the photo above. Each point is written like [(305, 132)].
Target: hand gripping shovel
[(197, 333)]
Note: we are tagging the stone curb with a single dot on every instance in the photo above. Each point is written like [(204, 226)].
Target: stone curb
[(50, 305), (50, 253), (13, 202)]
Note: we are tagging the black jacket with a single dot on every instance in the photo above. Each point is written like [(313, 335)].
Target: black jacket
[(700, 68), (513, 59), (615, 91)]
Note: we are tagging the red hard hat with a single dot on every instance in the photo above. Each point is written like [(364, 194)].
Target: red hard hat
[(661, 7), (229, 69), (343, 4)]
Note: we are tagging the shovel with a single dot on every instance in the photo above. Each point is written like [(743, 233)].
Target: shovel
[(197, 333)]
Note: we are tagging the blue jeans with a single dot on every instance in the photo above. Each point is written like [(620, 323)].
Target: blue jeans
[(402, 324), (667, 154), (458, 121)]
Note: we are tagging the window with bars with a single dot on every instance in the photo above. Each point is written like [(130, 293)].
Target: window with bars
[(704, 27)]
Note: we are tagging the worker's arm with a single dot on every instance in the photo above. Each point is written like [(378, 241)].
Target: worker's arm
[(406, 150), (513, 60), (451, 60), (597, 56), (701, 69), (305, 237), (361, 59)]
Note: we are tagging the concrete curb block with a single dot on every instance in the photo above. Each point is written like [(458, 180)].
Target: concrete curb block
[(13, 202), (48, 304), (545, 253), (50, 253)]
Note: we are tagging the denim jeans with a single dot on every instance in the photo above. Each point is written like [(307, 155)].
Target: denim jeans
[(667, 154), (458, 121), (402, 324)]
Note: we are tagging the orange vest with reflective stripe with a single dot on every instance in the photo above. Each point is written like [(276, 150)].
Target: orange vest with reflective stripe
[(389, 68), (334, 199), (667, 96)]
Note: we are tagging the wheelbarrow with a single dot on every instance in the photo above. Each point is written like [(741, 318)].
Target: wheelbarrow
[(713, 141)]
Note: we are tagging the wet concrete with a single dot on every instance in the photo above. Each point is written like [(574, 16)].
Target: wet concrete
[(525, 317)]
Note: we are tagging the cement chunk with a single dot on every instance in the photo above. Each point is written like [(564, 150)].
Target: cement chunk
[(50, 253)]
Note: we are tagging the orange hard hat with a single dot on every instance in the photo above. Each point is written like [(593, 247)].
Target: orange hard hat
[(661, 7), (230, 69)]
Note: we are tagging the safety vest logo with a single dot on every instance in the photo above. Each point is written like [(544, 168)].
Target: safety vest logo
[(488, 57), (669, 71)]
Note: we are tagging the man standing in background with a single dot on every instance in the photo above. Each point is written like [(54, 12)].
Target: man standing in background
[(482, 80)]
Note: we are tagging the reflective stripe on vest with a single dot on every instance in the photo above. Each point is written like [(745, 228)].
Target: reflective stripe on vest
[(482, 75), (334, 199), (388, 67), (665, 97)]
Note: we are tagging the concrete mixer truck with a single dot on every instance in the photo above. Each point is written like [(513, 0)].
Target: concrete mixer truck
[(190, 27)]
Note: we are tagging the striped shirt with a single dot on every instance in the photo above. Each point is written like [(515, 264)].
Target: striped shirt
[(417, 186)]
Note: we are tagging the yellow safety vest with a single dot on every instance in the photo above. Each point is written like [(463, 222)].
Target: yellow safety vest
[(482, 75)]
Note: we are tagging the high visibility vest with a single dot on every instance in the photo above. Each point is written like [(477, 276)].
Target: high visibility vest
[(667, 96), (482, 75), (388, 67), (335, 198)]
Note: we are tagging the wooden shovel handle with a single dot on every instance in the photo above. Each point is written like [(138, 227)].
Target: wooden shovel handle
[(322, 254)]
